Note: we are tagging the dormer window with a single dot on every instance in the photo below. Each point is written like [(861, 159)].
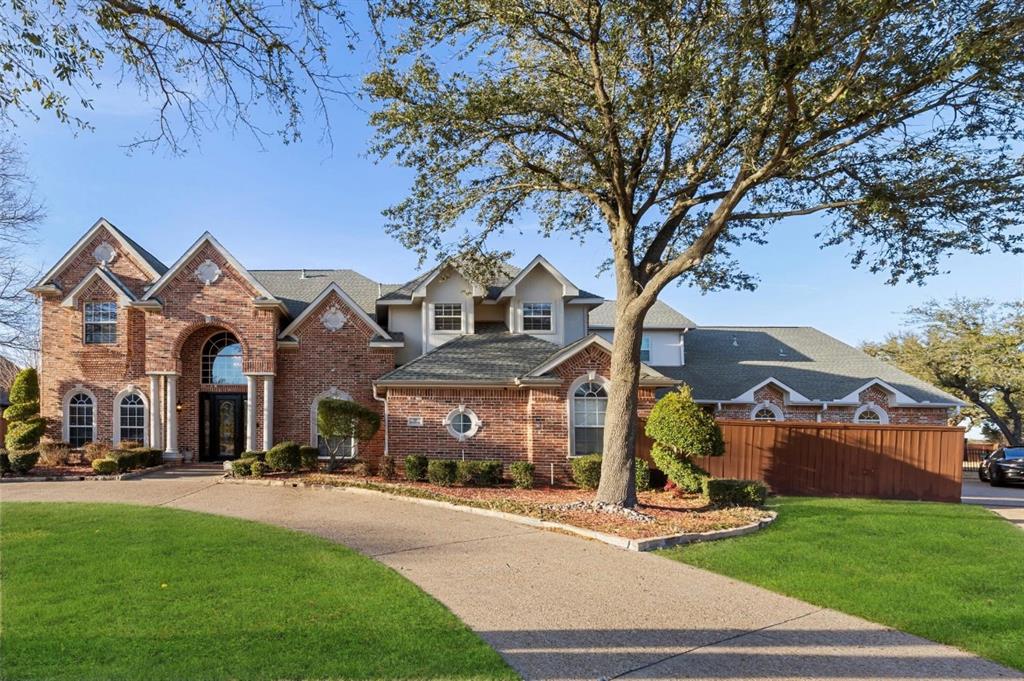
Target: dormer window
[(100, 323), (447, 317), (537, 317)]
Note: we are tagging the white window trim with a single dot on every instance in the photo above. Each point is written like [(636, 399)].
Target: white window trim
[(591, 377), (883, 417), (770, 406), (335, 394), (66, 412), (650, 348), (476, 423), (432, 321), (553, 331), (130, 390), (115, 323)]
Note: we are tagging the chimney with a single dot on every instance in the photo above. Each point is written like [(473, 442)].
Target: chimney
[(303, 275)]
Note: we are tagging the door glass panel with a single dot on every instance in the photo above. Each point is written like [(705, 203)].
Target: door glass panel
[(226, 429)]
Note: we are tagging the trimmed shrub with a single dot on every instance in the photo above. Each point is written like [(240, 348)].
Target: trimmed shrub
[(104, 467), (261, 455), (732, 492), (521, 473), (682, 471), (415, 467), (150, 457), (478, 473), (586, 471), (363, 469), (5, 463), (387, 468), (242, 468), (54, 453), (309, 458), (643, 476), (24, 425), (442, 472), (258, 468), (22, 461), (285, 457), (130, 444), (96, 450), (125, 460)]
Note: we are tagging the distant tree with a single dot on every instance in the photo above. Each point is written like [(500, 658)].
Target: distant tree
[(681, 430), (675, 130), (20, 213), (203, 62), (972, 348), (24, 425), (340, 421)]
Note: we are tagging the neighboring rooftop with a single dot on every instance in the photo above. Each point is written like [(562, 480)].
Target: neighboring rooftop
[(723, 362), (660, 316)]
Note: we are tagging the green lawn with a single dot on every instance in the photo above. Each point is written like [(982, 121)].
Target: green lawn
[(98, 591), (945, 572)]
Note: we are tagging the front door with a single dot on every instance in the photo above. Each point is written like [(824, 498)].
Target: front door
[(221, 425)]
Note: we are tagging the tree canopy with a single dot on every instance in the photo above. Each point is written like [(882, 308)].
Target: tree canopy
[(676, 130), (20, 213), (972, 348), (201, 63)]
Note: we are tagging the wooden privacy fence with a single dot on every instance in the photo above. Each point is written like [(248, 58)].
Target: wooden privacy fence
[(836, 459)]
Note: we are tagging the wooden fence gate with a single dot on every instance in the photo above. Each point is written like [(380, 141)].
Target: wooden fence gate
[(836, 459)]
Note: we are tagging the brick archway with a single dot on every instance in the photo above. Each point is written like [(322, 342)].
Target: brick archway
[(205, 329)]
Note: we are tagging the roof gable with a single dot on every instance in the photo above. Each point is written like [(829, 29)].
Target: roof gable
[(334, 289), (660, 316), (145, 260), (569, 290), (593, 340), (208, 239), (123, 293)]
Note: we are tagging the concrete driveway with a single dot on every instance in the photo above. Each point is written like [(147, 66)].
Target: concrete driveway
[(1006, 501), (561, 607)]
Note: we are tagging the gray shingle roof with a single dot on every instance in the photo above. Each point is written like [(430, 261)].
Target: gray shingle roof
[(151, 259), (297, 290), (724, 362), (660, 316), (405, 291), (492, 355)]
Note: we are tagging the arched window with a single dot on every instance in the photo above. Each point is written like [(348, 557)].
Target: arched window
[(462, 423), (589, 402), (222, 360), (130, 418), (766, 411), (80, 419), (870, 414)]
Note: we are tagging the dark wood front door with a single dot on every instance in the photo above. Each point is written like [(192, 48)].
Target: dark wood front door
[(221, 426)]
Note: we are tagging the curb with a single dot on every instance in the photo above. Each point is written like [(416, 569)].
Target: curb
[(130, 475), (625, 543)]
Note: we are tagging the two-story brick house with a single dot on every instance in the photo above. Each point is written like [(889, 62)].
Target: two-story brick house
[(208, 359)]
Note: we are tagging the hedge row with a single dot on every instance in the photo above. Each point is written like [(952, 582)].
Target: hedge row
[(471, 473)]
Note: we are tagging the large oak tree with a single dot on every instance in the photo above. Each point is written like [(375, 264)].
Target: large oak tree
[(674, 130)]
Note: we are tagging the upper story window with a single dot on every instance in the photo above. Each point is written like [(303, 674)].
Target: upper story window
[(101, 322), (645, 349), (222, 360), (447, 317), (537, 317)]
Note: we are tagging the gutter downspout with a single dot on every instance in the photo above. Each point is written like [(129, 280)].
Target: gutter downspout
[(383, 400)]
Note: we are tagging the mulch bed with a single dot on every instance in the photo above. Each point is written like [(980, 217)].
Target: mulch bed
[(70, 471), (671, 512)]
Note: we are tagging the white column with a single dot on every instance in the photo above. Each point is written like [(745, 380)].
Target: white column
[(156, 419), (268, 412), (250, 413), (172, 416)]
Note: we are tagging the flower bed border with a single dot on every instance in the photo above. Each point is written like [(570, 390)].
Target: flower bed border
[(129, 475), (625, 543)]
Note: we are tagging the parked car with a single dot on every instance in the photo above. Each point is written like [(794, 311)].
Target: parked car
[(1003, 466)]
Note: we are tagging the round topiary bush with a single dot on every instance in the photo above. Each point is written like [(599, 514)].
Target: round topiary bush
[(24, 425), (586, 471), (285, 457), (22, 462), (521, 473), (104, 467), (681, 430)]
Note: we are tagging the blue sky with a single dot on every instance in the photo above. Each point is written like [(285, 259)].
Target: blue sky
[(306, 205)]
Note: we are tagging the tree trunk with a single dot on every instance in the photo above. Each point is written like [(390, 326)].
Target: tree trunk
[(618, 468)]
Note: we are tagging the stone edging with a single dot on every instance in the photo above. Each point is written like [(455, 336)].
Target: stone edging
[(130, 475), (648, 544)]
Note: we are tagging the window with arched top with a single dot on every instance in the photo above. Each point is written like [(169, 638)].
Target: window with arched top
[(589, 403), (222, 360), (764, 415), (131, 418), (871, 414), (766, 411), (81, 419)]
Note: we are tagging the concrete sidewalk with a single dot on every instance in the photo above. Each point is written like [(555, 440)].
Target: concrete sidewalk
[(561, 607), (1006, 501)]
